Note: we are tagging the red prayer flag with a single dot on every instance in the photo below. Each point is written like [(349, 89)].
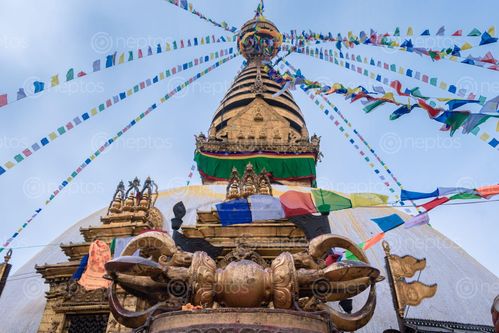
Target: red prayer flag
[(432, 112), (3, 100), (458, 33), (434, 203), (297, 203), (398, 86), (488, 191)]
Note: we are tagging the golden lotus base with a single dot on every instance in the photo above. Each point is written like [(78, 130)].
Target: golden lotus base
[(240, 320)]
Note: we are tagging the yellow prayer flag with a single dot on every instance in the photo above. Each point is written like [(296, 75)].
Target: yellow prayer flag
[(92, 157), (162, 100), (9, 165), (129, 92), (466, 46), (497, 126), (492, 31), (484, 136), (121, 59), (52, 136), (443, 85), (55, 80), (167, 47), (410, 32), (367, 199), (389, 96), (161, 76), (93, 112), (401, 70)]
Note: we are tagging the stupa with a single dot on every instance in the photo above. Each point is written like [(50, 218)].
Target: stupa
[(184, 270)]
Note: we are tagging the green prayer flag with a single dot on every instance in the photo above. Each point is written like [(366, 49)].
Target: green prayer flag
[(475, 32), (455, 120), (332, 201), (465, 196), (70, 74), (350, 256), (113, 245), (397, 32), (433, 81), (369, 107)]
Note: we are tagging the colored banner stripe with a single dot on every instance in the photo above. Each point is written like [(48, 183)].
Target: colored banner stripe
[(109, 61), (224, 156), (69, 125), (113, 139)]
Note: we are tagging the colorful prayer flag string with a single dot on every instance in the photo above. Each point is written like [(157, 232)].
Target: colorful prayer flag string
[(187, 6), (486, 137), (111, 61), (111, 140), (71, 124), (348, 136), (191, 173), (452, 54)]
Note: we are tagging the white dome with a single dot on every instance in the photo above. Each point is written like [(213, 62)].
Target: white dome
[(465, 292)]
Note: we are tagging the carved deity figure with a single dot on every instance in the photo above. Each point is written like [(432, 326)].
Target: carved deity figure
[(249, 182), (264, 186), (233, 189)]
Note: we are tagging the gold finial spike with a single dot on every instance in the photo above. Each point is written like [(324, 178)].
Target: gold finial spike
[(386, 247), (8, 256)]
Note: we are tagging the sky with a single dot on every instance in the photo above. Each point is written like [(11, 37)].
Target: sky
[(41, 38)]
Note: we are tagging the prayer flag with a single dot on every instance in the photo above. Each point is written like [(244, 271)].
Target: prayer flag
[(488, 191), (54, 81), (21, 94), (409, 195), (420, 219), (475, 32), (387, 223), (312, 225), (70, 74), (96, 65), (326, 201), (234, 212), (367, 199), (3, 100), (265, 207), (487, 39), (297, 203), (434, 203), (38, 86), (373, 241)]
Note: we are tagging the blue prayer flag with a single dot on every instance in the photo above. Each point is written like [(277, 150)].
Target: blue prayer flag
[(234, 212), (387, 223)]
